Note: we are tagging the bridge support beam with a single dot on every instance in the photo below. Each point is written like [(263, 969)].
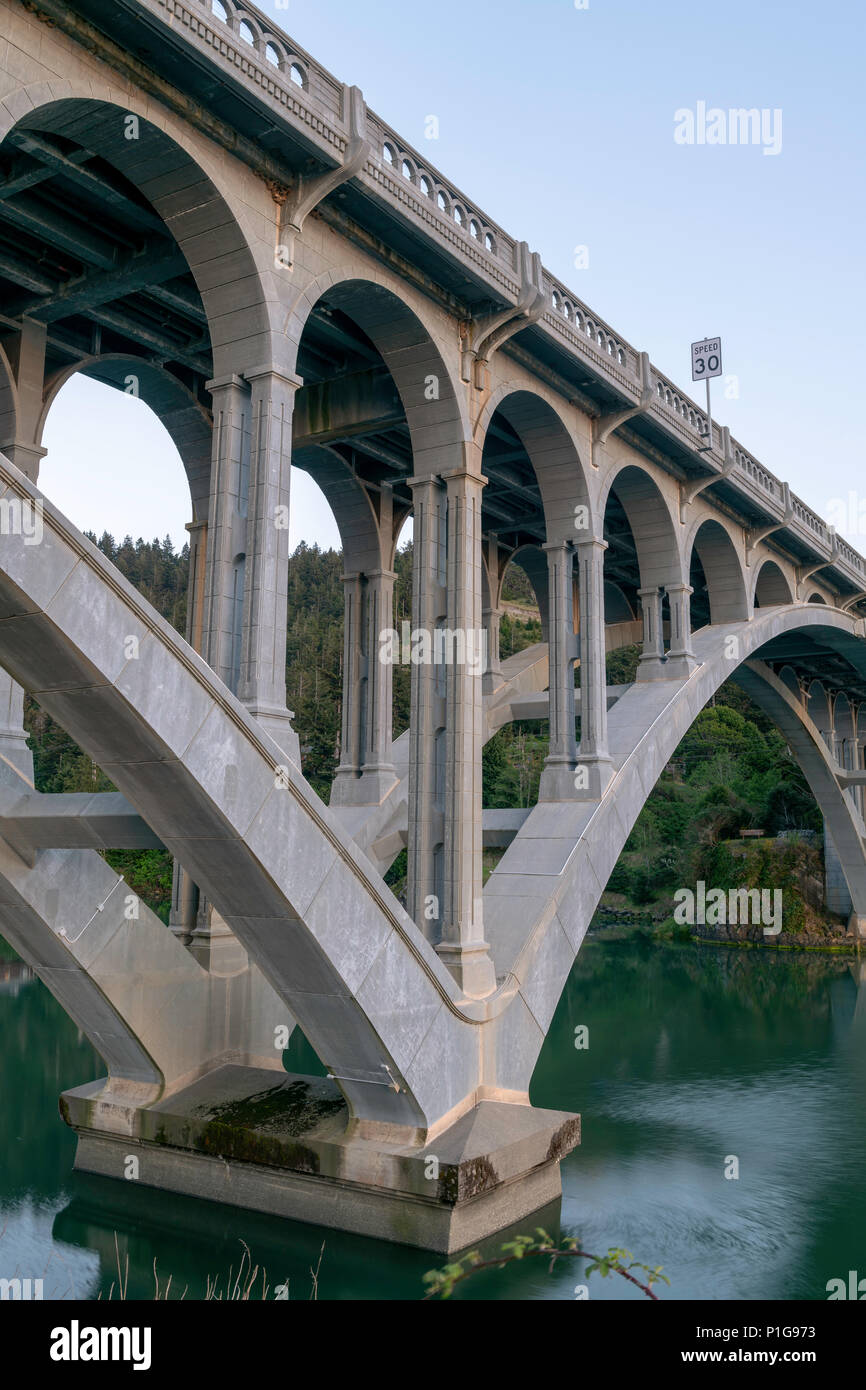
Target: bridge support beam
[(558, 774), (366, 773), (262, 680), (651, 663), (681, 660), (593, 757), (427, 713), (462, 947)]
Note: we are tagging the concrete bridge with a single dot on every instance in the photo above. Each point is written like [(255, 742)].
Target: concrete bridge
[(193, 209)]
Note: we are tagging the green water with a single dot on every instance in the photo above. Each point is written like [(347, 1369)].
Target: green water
[(695, 1054)]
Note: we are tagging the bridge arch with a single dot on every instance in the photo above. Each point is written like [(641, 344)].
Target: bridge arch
[(435, 410), (188, 193), (650, 522), (644, 727), (533, 561), (712, 555), (789, 678), (559, 472), (820, 710), (771, 587), (186, 419)]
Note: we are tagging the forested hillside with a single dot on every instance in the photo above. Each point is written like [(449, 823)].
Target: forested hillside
[(731, 772)]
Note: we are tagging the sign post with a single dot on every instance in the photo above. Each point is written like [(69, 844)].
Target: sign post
[(707, 363)]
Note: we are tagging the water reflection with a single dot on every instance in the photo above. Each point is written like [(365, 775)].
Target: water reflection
[(697, 1055)]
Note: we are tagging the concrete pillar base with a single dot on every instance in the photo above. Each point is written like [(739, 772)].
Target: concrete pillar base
[(265, 1141), (597, 773), (278, 723), (472, 966), (679, 666), (557, 782), (492, 681), (370, 789), (216, 948), (587, 780), (652, 668)]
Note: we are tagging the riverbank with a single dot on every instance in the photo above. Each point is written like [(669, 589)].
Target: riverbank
[(623, 924)]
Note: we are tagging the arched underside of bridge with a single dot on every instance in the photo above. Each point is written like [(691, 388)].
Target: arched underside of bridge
[(410, 1053), (349, 964), (540, 898)]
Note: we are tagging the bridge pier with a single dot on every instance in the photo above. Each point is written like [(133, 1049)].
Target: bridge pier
[(283, 1144)]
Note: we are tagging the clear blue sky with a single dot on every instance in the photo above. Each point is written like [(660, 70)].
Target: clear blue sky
[(559, 124)]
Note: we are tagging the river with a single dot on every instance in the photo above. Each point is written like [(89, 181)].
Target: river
[(696, 1056)]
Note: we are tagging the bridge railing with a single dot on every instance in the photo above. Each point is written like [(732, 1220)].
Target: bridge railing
[(247, 45)]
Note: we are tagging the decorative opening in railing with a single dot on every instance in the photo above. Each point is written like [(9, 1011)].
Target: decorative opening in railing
[(490, 243), (219, 9), (246, 33), (298, 76), (388, 154), (271, 55), (459, 216), (441, 201), (426, 186), (474, 230), (407, 171)]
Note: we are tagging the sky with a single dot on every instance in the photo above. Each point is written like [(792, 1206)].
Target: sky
[(559, 123)]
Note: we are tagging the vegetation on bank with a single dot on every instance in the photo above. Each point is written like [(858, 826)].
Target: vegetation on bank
[(731, 772)]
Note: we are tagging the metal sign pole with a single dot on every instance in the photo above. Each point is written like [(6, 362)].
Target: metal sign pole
[(707, 363)]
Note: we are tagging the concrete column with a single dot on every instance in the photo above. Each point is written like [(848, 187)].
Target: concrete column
[(558, 774), (493, 676), (837, 896), (262, 681), (196, 583), (497, 560), (427, 711), (680, 659), (348, 771), (222, 621), (594, 761), (184, 893), (462, 947), (651, 663), (212, 941), (26, 351), (378, 773), (13, 739)]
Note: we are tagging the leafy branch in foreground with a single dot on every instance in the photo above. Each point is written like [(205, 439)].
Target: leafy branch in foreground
[(442, 1282)]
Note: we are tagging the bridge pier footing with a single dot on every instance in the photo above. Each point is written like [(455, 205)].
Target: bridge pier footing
[(281, 1145)]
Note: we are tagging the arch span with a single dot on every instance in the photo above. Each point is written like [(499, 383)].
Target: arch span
[(435, 410), (209, 224), (540, 898), (723, 572), (651, 522), (552, 453), (772, 589)]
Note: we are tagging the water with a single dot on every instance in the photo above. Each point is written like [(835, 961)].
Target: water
[(696, 1054)]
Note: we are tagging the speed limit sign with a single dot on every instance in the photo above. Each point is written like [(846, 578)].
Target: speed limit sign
[(706, 359)]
